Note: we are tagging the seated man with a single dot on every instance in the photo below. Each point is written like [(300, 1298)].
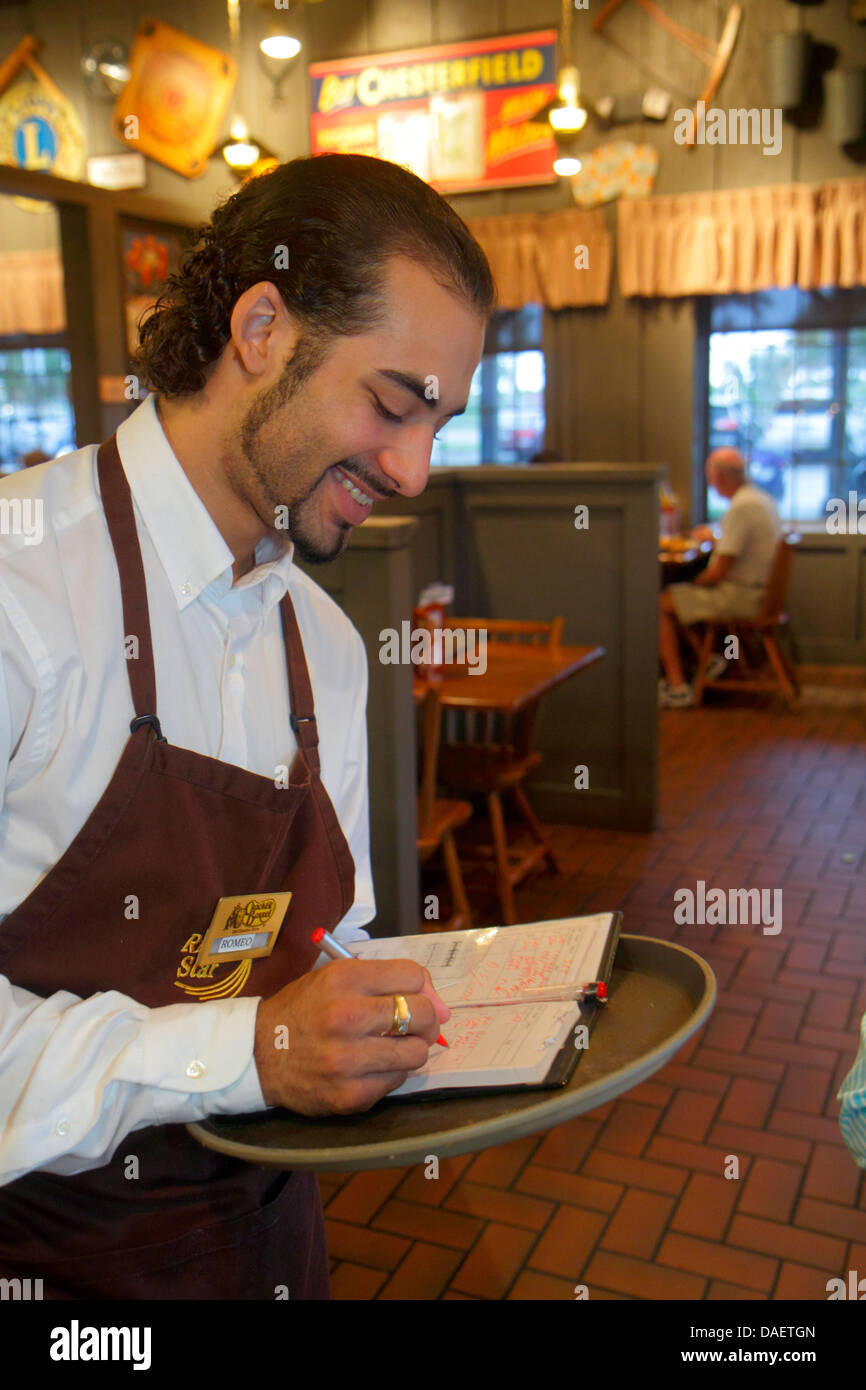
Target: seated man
[(733, 584)]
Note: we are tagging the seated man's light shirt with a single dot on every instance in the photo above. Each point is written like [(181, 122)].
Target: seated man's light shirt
[(751, 528), (77, 1075)]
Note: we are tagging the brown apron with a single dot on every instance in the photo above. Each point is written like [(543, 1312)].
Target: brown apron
[(177, 830)]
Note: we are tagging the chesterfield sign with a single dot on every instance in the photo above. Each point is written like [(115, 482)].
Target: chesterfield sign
[(461, 116)]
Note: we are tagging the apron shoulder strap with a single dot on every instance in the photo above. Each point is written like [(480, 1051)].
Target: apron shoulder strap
[(119, 514), (303, 717)]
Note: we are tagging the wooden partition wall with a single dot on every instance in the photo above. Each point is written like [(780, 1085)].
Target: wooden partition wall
[(506, 539)]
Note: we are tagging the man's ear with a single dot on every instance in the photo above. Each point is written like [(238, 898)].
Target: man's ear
[(263, 332)]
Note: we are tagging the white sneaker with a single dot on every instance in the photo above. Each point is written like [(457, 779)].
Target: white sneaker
[(716, 667), (676, 697)]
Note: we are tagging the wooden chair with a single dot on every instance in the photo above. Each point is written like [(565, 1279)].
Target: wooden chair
[(761, 664), (438, 819), (489, 753)]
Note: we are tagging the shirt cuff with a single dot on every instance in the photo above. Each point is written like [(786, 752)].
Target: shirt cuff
[(203, 1051)]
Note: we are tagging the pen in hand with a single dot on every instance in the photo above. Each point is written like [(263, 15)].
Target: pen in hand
[(337, 951)]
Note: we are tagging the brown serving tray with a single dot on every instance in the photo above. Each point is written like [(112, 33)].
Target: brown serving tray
[(660, 994)]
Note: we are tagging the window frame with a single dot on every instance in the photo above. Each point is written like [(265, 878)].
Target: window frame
[(508, 331), (836, 310)]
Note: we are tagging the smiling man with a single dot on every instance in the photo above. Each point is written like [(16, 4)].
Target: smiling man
[(163, 663)]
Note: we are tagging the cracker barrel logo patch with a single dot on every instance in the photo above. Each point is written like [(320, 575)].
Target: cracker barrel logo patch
[(241, 930)]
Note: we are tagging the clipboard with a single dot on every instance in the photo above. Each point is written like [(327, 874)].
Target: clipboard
[(564, 1063)]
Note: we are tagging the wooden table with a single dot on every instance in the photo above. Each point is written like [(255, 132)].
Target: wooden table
[(680, 566), (517, 676), (660, 995)]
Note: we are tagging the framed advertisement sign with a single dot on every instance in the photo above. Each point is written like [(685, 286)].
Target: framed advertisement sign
[(462, 116)]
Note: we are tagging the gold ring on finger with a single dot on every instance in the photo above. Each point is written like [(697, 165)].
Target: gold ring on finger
[(402, 1018)]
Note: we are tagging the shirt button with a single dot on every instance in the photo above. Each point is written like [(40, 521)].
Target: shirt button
[(196, 1069), (186, 588), (62, 1127)]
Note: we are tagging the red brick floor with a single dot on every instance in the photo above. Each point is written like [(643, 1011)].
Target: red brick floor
[(631, 1199)]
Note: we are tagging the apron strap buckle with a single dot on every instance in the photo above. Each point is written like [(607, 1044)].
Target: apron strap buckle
[(153, 721), (296, 719)]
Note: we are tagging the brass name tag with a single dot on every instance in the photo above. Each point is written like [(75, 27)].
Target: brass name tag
[(243, 928)]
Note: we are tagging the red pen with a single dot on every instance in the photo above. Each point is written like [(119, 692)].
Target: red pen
[(333, 948)]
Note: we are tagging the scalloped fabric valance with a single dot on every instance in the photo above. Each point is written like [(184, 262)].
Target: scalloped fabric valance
[(559, 259), (732, 242), (31, 292)]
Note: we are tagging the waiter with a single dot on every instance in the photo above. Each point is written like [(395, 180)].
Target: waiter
[(182, 720)]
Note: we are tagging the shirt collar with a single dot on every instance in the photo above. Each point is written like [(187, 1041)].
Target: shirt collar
[(188, 542)]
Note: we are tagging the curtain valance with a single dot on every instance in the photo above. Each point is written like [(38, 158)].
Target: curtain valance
[(744, 239), (31, 292), (559, 259)]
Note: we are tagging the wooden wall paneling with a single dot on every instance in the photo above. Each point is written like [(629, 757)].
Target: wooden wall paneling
[(818, 157), (80, 292), (396, 24), (605, 372), (338, 29), (825, 600), (640, 661), (517, 15), (695, 496), (558, 417), (527, 560), (746, 86), (667, 354), (435, 547), (455, 20)]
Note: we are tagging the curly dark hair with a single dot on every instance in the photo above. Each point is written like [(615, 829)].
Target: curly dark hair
[(321, 229)]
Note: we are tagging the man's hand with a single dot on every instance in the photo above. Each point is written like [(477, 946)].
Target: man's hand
[(716, 571), (336, 1062)]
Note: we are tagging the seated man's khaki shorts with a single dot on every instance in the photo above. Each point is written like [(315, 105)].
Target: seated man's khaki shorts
[(698, 603)]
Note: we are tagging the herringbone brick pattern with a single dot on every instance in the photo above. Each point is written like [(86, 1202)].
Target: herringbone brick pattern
[(631, 1199)]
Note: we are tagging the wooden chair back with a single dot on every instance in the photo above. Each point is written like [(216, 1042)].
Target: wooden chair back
[(473, 726), (513, 630), (776, 592), (428, 749)]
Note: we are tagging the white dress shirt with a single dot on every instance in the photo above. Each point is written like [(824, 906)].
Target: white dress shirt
[(77, 1075)]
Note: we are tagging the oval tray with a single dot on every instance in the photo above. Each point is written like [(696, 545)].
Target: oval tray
[(660, 994)]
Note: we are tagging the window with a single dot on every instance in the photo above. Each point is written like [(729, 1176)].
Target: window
[(35, 410), (504, 420), (791, 398)]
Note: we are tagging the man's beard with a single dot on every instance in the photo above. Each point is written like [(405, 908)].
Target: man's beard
[(300, 532), (307, 357)]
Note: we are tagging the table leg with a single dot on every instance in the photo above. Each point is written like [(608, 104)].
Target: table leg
[(536, 827)]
